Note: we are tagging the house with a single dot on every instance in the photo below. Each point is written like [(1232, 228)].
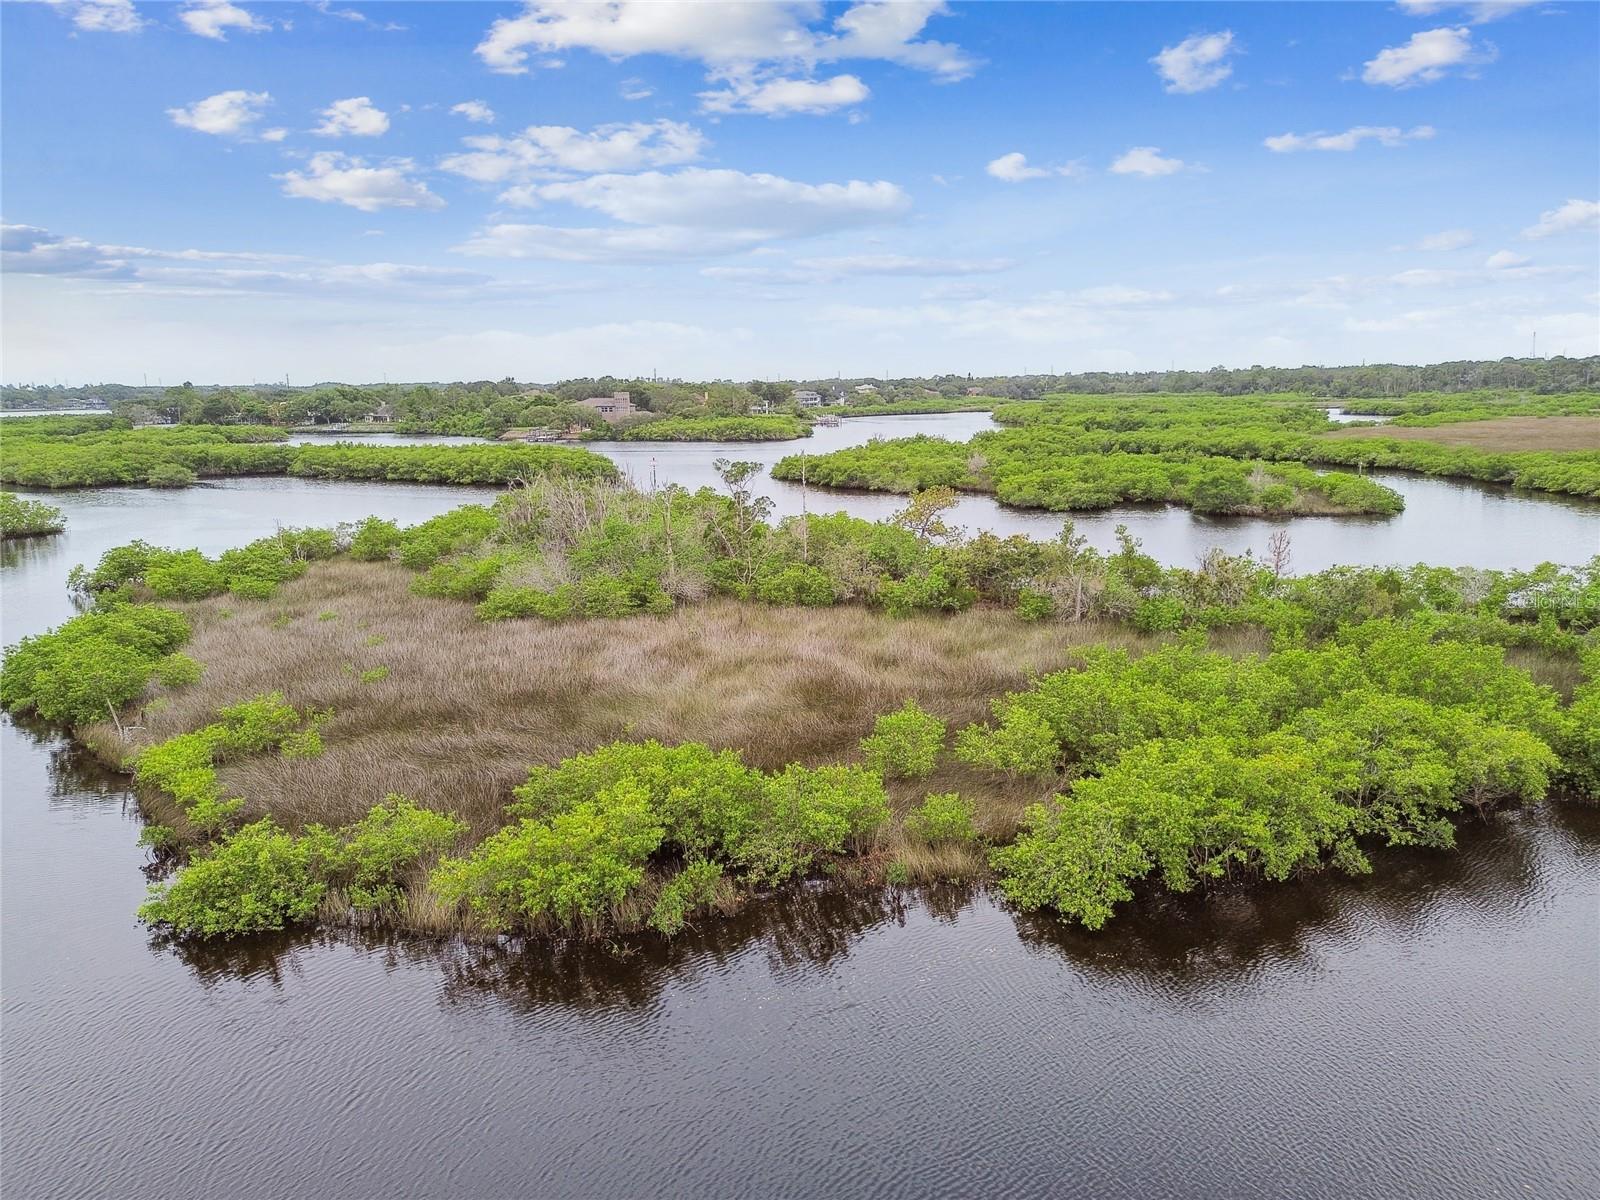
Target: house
[(760, 406), (863, 388), (613, 407), (384, 414), (807, 399), (974, 391)]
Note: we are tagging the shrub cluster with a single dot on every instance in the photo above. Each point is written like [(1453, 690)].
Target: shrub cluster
[(775, 428), (586, 835), (1190, 766), (21, 518), (262, 877), (250, 572), (94, 664), (185, 766)]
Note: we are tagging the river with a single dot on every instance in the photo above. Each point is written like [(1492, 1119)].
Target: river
[(1428, 1031)]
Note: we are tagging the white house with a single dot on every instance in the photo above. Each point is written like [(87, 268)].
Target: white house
[(807, 399)]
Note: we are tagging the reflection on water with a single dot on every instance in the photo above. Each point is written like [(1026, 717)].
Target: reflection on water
[(1427, 1030)]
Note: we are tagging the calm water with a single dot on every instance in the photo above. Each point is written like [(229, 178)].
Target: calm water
[(1445, 523), (1428, 1031)]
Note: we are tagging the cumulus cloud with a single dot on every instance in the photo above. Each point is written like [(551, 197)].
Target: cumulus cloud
[(1384, 135), (1479, 12), (1502, 259), (1014, 168), (1148, 162), (1197, 63), (101, 16), (356, 116), (227, 114), (340, 178), (724, 32), (762, 58), (1426, 58), (743, 93), (553, 150), (713, 199), (688, 214), (1571, 217), (475, 111), (214, 18)]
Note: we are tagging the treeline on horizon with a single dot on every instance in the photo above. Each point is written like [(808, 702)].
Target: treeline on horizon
[(329, 401)]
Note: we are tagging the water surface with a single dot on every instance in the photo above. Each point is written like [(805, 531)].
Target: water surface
[(1428, 1031)]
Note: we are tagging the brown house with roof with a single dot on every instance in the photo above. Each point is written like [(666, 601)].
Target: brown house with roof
[(613, 407)]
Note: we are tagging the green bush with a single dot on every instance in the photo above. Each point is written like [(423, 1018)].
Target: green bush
[(943, 817), (21, 518), (697, 886), (1035, 606), (375, 540), (184, 575), (904, 744), (178, 670), (808, 812), (92, 664), (393, 838), (258, 878), (570, 868)]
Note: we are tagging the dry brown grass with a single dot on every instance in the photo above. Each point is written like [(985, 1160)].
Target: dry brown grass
[(469, 705), (1499, 434)]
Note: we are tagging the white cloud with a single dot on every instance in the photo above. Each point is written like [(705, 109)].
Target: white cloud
[(1572, 217), (551, 150), (1479, 12), (725, 32), (101, 16), (778, 97), (636, 89), (904, 264), (332, 176), (1501, 259), (1447, 239), (1146, 161), (724, 199), (227, 114), (615, 245), (213, 18), (1014, 168), (355, 16), (274, 135), (356, 116), (1197, 63), (475, 111), (688, 214), (1426, 58), (1384, 135)]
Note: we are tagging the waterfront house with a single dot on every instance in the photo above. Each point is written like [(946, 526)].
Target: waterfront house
[(807, 399), (613, 407)]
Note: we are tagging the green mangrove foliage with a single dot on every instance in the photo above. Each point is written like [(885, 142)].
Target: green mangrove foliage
[(90, 667), (587, 834), (184, 767), (1187, 766), (1210, 453), (57, 452), (904, 744), (21, 518), (261, 877), (251, 572), (775, 428)]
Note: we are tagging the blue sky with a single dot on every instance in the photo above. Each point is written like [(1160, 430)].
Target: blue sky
[(226, 191)]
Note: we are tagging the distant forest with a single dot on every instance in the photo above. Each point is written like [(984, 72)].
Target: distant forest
[(325, 402)]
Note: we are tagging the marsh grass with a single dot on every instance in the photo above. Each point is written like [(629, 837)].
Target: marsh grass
[(467, 706)]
